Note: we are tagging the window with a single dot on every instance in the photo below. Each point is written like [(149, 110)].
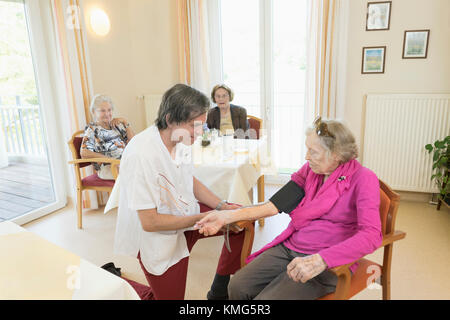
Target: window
[(264, 56), (28, 188), (240, 42)]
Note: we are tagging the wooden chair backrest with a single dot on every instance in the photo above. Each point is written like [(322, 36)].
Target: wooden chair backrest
[(255, 124), (75, 146), (389, 201)]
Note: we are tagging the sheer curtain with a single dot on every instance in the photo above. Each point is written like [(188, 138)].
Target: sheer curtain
[(72, 67), (326, 59), (200, 47)]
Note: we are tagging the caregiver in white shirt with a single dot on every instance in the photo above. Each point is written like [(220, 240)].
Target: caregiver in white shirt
[(159, 199)]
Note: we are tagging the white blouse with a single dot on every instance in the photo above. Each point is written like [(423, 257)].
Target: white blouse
[(150, 178)]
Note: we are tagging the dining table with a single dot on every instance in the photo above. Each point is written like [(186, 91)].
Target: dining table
[(33, 268)]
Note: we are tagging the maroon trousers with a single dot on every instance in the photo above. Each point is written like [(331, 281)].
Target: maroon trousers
[(171, 285)]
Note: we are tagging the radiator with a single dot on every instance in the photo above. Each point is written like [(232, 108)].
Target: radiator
[(151, 103), (397, 128)]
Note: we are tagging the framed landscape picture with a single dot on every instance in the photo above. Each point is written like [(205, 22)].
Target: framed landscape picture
[(378, 15), (415, 44), (373, 60)]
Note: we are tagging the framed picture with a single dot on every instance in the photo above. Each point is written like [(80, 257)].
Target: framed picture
[(415, 44), (373, 60), (378, 15)]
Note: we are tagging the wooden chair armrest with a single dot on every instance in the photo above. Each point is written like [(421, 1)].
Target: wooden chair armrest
[(100, 160), (244, 223), (391, 238), (340, 270)]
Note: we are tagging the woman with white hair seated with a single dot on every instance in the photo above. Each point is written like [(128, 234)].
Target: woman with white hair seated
[(333, 203), (106, 137)]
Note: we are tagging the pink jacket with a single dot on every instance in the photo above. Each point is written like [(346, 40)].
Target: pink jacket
[(340, 219)]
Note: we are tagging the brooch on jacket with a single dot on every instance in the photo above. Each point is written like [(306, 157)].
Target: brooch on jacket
[(341, 178)]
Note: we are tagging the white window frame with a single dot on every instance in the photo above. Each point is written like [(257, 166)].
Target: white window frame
[(43, 62)]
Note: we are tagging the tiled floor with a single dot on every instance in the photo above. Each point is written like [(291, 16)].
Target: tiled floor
[(420, 262), (23, 188)]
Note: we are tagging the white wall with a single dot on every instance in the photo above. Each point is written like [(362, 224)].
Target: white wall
[(431, 75), (137, 57)]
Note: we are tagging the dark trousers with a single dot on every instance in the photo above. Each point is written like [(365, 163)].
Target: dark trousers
[(266, 278)]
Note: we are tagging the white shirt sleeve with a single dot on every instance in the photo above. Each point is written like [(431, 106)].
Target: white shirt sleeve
[(141, 184)]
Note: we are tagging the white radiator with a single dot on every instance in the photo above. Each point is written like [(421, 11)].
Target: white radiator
[(397, 128), (151, 103)]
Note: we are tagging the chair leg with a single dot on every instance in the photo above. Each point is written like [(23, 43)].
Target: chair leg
[(80, 208), (248, 242), (261, 196), (386, 273)]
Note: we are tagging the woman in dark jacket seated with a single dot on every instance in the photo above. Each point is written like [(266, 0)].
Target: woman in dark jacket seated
[(226, 117)]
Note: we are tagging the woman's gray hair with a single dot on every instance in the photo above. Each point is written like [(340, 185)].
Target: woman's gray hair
[(179, 104), (340, 140), (98, 100)]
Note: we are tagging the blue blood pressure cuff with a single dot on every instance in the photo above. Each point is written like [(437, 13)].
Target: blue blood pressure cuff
[(288, 197)]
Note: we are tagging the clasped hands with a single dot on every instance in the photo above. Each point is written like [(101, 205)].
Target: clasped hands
[(300, 269), (216, 221)]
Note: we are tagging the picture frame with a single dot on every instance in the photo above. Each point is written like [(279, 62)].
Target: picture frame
[(415, 44), (378, 15), (373, 60)]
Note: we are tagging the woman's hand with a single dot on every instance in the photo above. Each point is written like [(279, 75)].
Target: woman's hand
[(305, 268), (116, 121), (213, 222)]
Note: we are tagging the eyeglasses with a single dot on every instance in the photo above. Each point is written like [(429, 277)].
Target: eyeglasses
[(222, 96), (322, 128)]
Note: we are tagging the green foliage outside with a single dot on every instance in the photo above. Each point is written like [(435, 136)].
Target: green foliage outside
[(16, 67)]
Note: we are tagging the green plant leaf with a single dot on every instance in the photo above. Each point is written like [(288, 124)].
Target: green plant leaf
[(435, 156), (429, 147)]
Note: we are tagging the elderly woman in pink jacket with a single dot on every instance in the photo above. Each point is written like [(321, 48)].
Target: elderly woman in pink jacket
[(333, 203)]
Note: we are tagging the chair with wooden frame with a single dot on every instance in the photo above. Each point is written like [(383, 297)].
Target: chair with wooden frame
[(256, 124), (249, 236), (249, 230), (91, 182), (349, 285)]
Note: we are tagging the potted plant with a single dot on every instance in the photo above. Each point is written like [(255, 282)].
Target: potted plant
[(441, 164)]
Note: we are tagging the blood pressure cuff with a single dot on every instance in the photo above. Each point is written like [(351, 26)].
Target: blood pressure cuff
[(288, 197)]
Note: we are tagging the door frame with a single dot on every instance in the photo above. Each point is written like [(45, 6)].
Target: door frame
[(35, 15)]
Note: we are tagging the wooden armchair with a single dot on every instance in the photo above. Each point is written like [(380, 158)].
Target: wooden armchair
[(349, 285), (256, 124), (92, 182), (249, 234)]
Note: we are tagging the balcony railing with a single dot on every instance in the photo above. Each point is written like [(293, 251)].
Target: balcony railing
[(22, 130)]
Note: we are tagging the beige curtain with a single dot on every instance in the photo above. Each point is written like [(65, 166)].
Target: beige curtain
[(199, 43), (71, 40), (325, 85), (184, 50)]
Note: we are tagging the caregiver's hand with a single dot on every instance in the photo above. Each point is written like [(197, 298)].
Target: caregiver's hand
[(213, 222)]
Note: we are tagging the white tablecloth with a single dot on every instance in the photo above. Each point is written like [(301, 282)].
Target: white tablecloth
[(228, 167), (32, 268)]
